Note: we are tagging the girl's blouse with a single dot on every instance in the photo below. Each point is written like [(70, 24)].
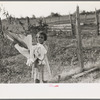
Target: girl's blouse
[(38, 51)]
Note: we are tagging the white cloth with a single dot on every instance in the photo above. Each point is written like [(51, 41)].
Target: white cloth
[(23, 51), (37, 51)]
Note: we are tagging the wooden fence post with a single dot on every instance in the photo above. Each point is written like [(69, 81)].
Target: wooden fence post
[(78, 35), (1, 39), (0, 26), (46, 28), (97, 21), (72, 25), (28, 22), (85, 18), (1, 32)]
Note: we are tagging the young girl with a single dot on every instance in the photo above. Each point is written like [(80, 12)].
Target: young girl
[(37, 57)]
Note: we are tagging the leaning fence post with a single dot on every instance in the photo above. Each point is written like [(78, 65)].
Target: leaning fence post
[(1, 30), (28, 27), (0, 25), (72, 26), (97, 21), (78, 35)]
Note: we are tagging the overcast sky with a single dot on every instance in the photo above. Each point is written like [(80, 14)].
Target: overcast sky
[(43, 8)]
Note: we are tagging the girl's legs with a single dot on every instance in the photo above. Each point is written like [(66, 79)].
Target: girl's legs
[(41, 73), (36, 72), (36, 75)]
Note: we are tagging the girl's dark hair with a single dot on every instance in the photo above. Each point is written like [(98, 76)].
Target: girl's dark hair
[(44, 34)]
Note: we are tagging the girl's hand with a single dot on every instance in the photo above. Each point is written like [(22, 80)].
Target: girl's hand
[(29, 62)]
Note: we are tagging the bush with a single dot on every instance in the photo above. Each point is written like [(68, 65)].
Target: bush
[(54, 15)]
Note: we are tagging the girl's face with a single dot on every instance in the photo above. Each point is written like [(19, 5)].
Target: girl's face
[(40, 38)]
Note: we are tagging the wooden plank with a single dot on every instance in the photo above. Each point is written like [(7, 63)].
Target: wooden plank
[(85, 72), (63, 25), (67, 25), (59, 30), (79, 42), (59, 78)]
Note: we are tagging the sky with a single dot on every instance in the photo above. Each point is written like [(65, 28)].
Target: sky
[(44, 8)]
